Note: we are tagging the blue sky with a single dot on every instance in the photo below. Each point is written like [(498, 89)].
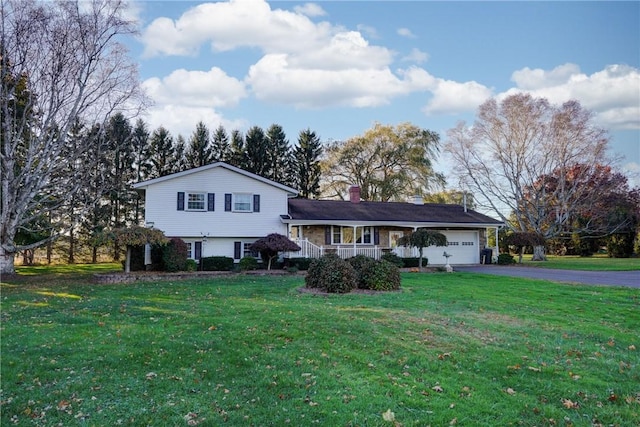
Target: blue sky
[(337, 67)]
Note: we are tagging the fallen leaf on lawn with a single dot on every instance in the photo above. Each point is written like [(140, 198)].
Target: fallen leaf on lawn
[(534, 369), (453, 422), (444, 356), (63, 405), (613, 397), (437, 389), (514, 367), (151, 375), (510, 391), (389, 416), (632, 347), (212, 328), (569, 404)]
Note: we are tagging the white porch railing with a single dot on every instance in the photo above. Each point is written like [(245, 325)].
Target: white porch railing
[(345, 252), (309, 250)]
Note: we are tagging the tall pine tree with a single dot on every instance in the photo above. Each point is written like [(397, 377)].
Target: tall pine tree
[(199, 152), (221, 150), (162, 153), (142, 160), (306, 170), (256, 151), (238, 156), (279, 156)]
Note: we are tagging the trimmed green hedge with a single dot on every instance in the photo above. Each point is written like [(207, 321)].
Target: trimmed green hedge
[(414, 262), (217, 263)]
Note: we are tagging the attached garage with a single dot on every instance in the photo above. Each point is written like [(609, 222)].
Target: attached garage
[(463, 246)]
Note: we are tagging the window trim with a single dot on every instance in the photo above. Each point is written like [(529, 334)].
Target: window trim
[(187, 201), (357, 236), (234, 202)]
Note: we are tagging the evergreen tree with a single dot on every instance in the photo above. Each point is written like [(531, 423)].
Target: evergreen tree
[(199, 152), (238, 156), (256, 151), (179, 155), (220, 145), (142, 160), (279, 156), (119, 137), (306, 168), (162, 153)]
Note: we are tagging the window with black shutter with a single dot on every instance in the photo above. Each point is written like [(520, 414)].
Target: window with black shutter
[(211, 202), (227, 202), (237, 250), (256, 203), (180, 200)]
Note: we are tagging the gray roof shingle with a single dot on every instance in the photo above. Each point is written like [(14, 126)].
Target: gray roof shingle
[(338, 210)]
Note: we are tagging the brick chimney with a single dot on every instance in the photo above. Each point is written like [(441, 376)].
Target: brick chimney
[(354, 194)]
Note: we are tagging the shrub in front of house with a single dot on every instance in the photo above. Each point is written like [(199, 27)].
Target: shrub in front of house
[(393, 259), (175, 255), (414, 262), (505, 259), (382, 276), (302, 264), (362, 265), (332, 274), (192, 265), (217, 263), (248, 263)]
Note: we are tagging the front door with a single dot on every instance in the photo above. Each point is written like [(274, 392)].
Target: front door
[(393, 242)]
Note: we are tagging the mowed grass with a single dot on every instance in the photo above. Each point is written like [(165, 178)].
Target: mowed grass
[(574, 262), (449, 349)]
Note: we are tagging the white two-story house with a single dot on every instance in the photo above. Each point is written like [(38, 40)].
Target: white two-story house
[(217, 209)]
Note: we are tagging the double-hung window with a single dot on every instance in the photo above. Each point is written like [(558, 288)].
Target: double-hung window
[(242, 202), (196, 201), (347, 235)]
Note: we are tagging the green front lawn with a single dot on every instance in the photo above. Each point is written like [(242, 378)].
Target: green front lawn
[(596, 263), (463, 349)]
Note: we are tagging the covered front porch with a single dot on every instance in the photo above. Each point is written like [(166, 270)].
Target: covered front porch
[(464, 245)]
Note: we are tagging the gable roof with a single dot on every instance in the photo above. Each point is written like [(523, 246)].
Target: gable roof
[(143, 184), (338, 211)]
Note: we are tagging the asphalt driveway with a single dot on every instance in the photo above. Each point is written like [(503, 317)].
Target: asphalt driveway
[(606, 278)]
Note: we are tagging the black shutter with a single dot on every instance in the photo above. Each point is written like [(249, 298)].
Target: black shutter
[(211, 202), (256, 203), (376, 236), (180, 200), (198, 250), (227, 202), (237, 250), (327, 235)]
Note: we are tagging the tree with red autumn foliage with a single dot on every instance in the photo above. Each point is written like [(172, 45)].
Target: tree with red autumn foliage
[(271, 245)]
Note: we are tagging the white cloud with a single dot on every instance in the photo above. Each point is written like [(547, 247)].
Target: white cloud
[(612, 93), (450, 97), (310, 9), (182, 120), (273, 79), (417, 56), (405, 32), (233, 24), (213, 88)]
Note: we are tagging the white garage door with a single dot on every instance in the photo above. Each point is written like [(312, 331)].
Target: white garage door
[(463, 248)]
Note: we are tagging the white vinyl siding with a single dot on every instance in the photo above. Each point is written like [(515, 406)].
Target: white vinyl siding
[(161, 199)]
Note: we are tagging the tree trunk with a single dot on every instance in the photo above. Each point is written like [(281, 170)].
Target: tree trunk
[(72, 247), (127, 262), (7, 267), (94, 255), (539, 253), (520, 254)]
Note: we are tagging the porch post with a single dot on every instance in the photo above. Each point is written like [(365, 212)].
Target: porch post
[(354, 241)]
